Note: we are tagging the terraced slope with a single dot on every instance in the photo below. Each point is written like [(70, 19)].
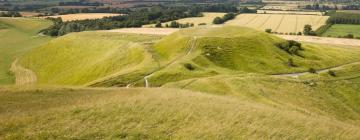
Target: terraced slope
[(17, 36), (64, 113), (80, 58)]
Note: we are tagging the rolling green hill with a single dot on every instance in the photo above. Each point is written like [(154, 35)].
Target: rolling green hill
[(17, 36), (117, 59), (80, 58)]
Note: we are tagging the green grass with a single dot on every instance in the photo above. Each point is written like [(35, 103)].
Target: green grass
[(233, 50), (80, 58), (342, 30), (17, 36), (68, 113)]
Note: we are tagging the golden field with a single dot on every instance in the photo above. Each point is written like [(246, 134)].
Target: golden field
[(278, 22)]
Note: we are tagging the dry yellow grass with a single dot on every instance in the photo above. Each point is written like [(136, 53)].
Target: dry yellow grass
[(207, 19), (288, 12), (278, 22), (83, 16)]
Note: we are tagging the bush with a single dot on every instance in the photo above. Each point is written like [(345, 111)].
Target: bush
[(218, 20), (299, 33), (349, 36), (201, 24), (189, 66), (332, 73), (158, 25), (311, 70), (268, 30)]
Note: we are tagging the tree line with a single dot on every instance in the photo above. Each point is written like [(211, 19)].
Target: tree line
[(10, 14), (135, 18), (344, 18)]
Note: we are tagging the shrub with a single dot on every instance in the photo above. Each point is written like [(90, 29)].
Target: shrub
[(189, 66), (332, 73), (201, 24), (158, 25), (349, 36), (299, 33), (218, 20), (311, 70), (268, 30)]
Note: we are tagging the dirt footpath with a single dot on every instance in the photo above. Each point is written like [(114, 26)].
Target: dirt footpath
[(23, 76)]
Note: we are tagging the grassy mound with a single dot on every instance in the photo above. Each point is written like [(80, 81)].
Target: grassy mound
[(17, 36), (232, 50), (154, 114), (80, 58)]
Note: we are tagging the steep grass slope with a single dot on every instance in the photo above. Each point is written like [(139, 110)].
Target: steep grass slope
[(17, 36), (65, 113), (80, 58)]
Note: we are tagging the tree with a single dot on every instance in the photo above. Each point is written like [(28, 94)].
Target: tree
[(158, 25), (218, 20), (229, 16), (312, 70), (268, 30), (307, 29)]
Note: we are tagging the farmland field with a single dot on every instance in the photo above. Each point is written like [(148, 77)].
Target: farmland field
[(278, 22), (83, 16), (207, 18), (288, 12), (342, 30)]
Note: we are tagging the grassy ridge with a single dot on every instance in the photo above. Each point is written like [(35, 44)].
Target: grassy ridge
[(17, 36), (80, 58), (154, 114), (233, 50)]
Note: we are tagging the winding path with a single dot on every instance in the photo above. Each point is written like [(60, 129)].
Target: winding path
[(23, 76), (296, 75), (192, 46)]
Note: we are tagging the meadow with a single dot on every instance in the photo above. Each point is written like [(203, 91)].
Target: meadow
[(278, 22), (83, 16), (16, 39), (342, 30), (207, 82), (207, 18)]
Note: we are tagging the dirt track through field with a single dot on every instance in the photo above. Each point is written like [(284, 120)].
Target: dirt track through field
[(311, 39), (296, 75), (23, 76)]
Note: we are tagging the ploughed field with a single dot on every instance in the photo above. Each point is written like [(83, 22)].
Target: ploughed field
[(279, 23)]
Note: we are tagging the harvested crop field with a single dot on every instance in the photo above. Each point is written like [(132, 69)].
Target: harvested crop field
[(323, 40), (83, 16), (207, 18), (289, 12), (278, 22)]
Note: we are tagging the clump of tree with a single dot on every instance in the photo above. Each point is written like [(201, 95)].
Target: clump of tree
[(175, 24), (308, 30), (268, 30), (292, 47), (137, 17), (10, 14), (247, 10), (226, 17)]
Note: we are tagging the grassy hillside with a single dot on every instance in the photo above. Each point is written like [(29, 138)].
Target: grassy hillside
[(17, 36), (89, 58), (67, 113), (233, 50), (80, 58)]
